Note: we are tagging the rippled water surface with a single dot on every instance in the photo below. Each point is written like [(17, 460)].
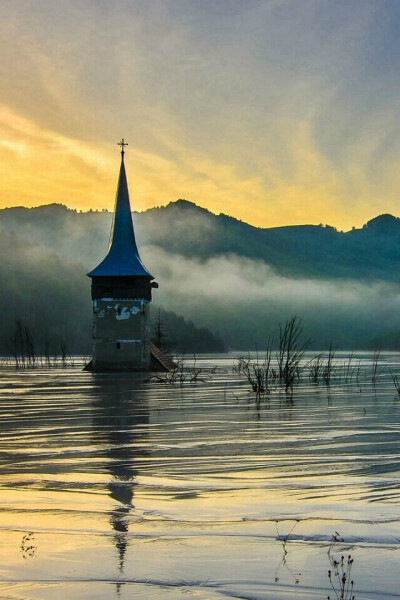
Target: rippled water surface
[(111, 487)]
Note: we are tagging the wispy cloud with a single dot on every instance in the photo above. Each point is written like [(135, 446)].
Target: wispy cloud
[(277, 112)]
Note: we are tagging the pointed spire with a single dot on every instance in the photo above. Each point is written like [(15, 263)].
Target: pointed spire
[(123, 255)]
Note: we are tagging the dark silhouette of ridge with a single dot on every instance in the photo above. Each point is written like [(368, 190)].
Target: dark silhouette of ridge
[(47, 250), (371, 252)]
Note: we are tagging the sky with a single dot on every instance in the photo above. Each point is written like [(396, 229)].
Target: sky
[(277, 112)]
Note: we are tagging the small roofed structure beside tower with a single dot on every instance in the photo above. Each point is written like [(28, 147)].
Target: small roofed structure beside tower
[(121, 294)]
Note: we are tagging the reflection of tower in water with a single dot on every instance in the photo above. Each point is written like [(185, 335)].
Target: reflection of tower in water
[(119, 411)]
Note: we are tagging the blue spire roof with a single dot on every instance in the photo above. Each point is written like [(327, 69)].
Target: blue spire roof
[(123, 255)]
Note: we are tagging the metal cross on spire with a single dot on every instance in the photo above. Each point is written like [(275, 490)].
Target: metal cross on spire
[(122, 143)]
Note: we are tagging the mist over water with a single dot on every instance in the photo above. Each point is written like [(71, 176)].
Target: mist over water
[(246, 300), (112, 487), (218, 272)]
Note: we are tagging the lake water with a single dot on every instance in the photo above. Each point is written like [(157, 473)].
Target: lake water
[(114, 488)]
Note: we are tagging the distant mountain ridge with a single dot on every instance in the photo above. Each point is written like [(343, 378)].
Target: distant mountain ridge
[(221, 274), (371, 252)]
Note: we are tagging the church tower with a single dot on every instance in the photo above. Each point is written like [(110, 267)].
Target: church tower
[(121, 294)]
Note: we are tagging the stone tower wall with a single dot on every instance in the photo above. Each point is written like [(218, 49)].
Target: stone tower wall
[(121, 334)]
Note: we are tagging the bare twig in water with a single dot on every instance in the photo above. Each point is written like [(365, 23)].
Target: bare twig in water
[(291, 351), (284, 539), (375, 366), (327, 373), (340, 572), (258, 374), (395, 379), (180, 374), (315, 368), (28, 547)]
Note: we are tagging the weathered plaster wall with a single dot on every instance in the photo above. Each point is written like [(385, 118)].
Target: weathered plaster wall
[(121, 334)]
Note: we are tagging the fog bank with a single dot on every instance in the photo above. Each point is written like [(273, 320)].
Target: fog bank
[(245, 300)]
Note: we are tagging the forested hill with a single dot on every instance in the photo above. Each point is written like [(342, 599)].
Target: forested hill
[(371, 252), (44, 258), (51, 296), (224, 275)]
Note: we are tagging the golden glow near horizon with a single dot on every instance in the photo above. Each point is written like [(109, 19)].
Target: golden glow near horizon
[(275, 112)]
